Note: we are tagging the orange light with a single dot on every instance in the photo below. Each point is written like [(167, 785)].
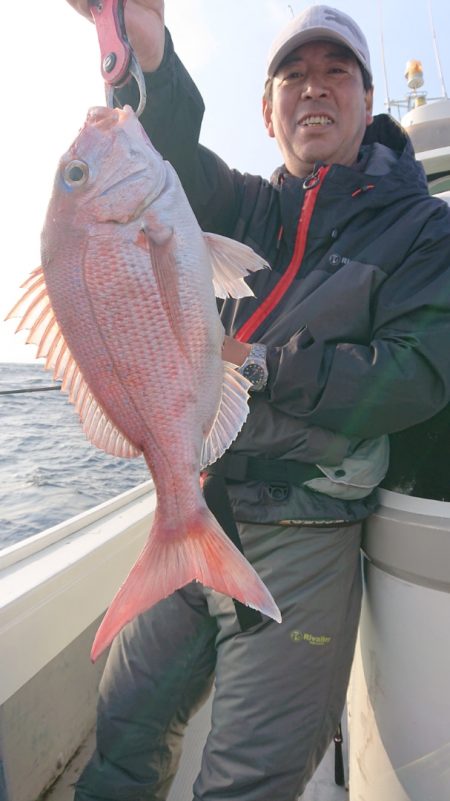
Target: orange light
[(414, 74)]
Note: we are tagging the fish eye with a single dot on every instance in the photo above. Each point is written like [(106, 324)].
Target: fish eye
[(76, 173)]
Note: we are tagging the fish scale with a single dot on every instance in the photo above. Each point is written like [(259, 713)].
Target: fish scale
[(111, 317)]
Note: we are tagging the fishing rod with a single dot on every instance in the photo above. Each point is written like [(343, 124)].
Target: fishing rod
[(34, 389)]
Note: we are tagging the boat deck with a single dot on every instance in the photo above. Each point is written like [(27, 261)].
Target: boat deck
[(321, 788)]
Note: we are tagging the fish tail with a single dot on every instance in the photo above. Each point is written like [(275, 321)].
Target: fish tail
[(168, 561)]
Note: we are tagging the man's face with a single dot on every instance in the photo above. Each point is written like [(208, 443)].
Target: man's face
[(319, 109)]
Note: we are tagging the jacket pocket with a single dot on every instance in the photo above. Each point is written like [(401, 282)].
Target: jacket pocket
[(358, 474)]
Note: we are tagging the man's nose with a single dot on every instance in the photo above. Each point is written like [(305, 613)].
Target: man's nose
[(315, 88)]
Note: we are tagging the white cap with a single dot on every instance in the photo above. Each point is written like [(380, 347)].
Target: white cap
[(319, 22)]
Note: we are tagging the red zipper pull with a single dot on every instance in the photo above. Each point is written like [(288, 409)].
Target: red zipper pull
[(362, 189)]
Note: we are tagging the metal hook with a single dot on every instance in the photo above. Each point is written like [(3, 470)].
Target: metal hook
[(118, 61), (134, 70)]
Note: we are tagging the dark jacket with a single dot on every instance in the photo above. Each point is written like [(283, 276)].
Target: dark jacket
[(358, 344)]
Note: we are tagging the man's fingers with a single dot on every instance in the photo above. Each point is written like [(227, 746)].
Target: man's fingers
[(82, 7)]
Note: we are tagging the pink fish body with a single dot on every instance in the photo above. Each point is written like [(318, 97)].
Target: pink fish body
[(124, 311)]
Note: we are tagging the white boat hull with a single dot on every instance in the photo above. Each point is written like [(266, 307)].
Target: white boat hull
[(54, 589)]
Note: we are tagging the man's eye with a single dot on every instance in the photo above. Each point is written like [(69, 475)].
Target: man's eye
[(293, 75)]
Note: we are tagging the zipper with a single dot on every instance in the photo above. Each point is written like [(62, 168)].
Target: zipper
[(312, 186)]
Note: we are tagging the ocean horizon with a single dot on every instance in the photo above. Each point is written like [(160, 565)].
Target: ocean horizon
[(49, 471)]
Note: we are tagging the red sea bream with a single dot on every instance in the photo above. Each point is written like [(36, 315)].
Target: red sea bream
[(124, 311)]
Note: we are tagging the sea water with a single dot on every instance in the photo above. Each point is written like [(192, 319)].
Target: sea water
[(48, 469)]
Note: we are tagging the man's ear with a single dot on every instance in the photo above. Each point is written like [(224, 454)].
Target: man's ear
[(369, 106), (267, 115)]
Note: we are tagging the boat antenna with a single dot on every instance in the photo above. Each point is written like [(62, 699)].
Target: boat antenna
[(383, 58), (436, 51), (291, 10)]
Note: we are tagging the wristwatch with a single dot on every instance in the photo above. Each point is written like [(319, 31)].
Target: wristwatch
[(254, 368)]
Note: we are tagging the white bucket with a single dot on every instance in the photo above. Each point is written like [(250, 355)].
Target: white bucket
[(399, 696)]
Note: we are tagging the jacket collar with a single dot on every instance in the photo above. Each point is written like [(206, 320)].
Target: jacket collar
[(383, 135)]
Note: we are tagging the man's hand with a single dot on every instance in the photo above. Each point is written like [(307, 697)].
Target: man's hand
[(144, 22), (234, 351)]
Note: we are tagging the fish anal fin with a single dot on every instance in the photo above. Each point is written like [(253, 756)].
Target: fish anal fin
[(231, 416), (231, 262), (167, 562)]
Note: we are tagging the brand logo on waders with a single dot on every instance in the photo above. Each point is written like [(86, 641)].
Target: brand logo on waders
[(303, 636)]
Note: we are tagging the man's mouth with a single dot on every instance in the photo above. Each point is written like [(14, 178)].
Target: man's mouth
[(315, 120)]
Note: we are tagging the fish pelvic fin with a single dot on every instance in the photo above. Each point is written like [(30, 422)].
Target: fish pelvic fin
[(170, 560), (231, 262), (231, 416)]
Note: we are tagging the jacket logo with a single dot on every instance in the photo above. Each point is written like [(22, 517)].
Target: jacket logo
[(336, 260)]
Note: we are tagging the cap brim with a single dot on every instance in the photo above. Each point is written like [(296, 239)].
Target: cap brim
[(312, 35)]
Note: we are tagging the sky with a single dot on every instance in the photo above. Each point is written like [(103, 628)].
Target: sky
[(51, 76)]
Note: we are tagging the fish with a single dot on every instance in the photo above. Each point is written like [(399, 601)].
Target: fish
[(123, 309)]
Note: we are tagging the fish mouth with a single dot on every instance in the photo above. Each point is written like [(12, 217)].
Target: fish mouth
[(105, 119)]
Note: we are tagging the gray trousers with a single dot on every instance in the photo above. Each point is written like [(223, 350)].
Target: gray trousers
[(279, 688)]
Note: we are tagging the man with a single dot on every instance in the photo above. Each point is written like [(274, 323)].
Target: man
[(346, 341)]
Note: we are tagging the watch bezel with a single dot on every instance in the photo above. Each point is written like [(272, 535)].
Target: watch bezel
[(255, 373), (255, 361)]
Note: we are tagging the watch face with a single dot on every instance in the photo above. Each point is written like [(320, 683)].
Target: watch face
[(254, 373)]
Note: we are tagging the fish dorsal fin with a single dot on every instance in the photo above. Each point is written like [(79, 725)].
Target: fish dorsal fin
[(231, 262), (37, 315), (231, 416)]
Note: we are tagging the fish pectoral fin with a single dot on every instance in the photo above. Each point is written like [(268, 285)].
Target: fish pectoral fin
[(164, 267), (38, 316), (231, 416), (231, 262), (155, 232)]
